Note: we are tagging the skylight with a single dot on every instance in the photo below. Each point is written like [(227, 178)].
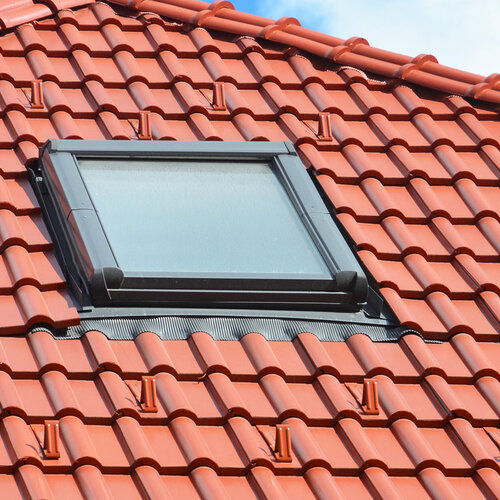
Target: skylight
[(199, 216), (194, 224)]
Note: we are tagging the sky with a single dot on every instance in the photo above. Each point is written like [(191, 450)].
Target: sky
[(463, 34)]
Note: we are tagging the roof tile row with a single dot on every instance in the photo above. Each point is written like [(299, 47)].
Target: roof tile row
[(325, 402), (218, 405), (268, 100), (370, 201), (62, 124), (232, 449), (203, 483), (463, 360)]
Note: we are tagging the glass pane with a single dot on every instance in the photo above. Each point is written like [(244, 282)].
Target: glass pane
[(186, 216)]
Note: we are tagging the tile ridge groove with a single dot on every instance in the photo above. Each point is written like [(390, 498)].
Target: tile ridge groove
[(146, 420), (343, 379), (226, 471)]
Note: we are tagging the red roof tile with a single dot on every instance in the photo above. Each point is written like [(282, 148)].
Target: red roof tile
[(433, 422), (411, 165), (356, 52)]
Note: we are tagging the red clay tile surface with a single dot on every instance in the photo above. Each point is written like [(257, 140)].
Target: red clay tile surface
[(218, 404), (412, 173)]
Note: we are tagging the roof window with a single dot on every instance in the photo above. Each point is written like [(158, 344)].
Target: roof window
[(194, 224)]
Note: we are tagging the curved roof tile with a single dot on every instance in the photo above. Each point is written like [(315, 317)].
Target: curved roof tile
[(221, 15), (413, 176)]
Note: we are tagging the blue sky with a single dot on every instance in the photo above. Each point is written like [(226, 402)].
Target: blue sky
[(463, 34)]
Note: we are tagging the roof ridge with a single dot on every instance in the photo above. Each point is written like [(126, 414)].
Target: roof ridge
[(356, 52)]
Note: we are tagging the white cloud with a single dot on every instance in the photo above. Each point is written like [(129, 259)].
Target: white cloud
[(463, 34)]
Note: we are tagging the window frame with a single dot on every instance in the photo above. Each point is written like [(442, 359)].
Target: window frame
[(96, 279)]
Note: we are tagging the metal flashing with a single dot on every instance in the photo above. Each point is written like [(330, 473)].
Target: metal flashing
[(226, 328)]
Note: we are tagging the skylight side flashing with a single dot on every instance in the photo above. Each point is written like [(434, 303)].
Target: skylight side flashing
[(94, 272)]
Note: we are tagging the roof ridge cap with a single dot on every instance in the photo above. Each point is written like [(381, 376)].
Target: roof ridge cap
[(355, 52)]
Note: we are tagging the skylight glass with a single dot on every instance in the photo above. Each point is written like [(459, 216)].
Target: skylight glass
[(172, 216)]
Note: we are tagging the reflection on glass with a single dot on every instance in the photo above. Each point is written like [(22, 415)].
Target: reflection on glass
[(191, 216)]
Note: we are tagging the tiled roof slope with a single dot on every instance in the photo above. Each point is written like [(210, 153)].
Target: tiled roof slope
[(436, 436), (413, 175), (423, 69)]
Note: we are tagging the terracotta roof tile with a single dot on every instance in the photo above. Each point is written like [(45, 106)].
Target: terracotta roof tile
[(412, 175), (422, 178), (218, 426), (356, 52)]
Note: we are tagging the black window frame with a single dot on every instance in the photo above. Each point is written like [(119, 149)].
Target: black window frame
[(96, 279)]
